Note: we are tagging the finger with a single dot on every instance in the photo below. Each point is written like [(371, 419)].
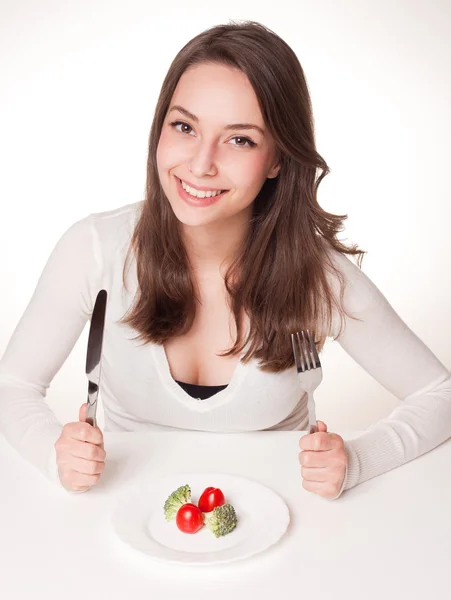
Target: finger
[(86, 467), (317, 441), (316, 475), (70, 486), (82, 412), (87, 451), (85, 433), (77, 481), (315, 460), (324, 489), (321, 441), (322, 427)]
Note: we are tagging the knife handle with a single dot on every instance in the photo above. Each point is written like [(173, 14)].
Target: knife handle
[(93, 394)]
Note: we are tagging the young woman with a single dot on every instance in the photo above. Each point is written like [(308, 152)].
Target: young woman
[(207, 277)]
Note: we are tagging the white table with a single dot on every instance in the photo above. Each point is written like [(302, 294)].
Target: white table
[(388, 538)]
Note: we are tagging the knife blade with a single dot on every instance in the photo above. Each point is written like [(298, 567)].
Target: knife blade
[(94, 355)]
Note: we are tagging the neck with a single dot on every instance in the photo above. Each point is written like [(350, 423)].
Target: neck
[(211, 248)]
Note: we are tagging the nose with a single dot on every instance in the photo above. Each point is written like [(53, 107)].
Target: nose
[(203, 160)]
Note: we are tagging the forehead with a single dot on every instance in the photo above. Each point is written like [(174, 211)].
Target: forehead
[(218, 93)]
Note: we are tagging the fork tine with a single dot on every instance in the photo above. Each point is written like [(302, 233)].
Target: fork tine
[(298, 355), (295, 352), (305, 361), (301, 354), (308, 350), (316, 360)]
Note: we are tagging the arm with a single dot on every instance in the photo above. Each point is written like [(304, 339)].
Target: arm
[(389, 351), (51, 324)]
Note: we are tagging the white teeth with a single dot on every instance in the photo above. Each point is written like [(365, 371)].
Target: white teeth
[(198, 193)]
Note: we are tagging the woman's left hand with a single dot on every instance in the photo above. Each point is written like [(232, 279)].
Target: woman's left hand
[(323, 462)]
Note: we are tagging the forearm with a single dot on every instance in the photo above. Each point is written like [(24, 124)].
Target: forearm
[(420, 424), (28, 423), (45, 335)]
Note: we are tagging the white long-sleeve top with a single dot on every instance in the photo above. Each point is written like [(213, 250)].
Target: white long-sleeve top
[(137, 388)]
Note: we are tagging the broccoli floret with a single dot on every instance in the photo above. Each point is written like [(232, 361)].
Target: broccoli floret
[(181, 496), (221, 520)]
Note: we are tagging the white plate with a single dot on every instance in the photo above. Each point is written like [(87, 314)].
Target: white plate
[(138, 519)]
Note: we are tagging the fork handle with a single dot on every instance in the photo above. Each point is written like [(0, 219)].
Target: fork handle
[(312, 425)]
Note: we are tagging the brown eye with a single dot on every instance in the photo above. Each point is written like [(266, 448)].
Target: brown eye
[(247, 142), (185, 128)]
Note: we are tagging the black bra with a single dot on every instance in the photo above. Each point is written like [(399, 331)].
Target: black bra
[(200, 391)]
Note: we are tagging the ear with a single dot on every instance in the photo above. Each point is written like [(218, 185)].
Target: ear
[(274, 171)]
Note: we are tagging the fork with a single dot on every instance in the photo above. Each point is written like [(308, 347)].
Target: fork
[(309, 370)]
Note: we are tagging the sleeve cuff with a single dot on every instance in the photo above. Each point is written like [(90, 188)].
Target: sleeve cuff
[(53, 475), (352, 470)]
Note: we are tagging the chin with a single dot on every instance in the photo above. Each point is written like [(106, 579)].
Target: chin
[(194, 221), (189, 218)]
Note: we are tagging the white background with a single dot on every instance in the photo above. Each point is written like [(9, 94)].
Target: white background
[(79, 81)]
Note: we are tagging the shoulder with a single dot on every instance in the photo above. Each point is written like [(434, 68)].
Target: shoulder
[(106, 223), (346, 277), (103, 232), (115, 222), (98, 240)]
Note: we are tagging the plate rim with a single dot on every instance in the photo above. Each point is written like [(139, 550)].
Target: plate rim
[(196, 559)]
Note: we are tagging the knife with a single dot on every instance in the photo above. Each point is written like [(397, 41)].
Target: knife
[(94, 355)]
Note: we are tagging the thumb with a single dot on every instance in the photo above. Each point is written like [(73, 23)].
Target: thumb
[(82, 412), (322, 427), (82, 417)]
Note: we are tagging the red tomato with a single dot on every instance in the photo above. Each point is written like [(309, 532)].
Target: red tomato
[(189, 518), (210, 498)]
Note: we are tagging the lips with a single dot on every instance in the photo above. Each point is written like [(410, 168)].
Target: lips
[(195, 201), (200, 189)]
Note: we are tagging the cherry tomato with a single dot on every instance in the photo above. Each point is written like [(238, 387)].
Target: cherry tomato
[(210, 498), (189, 518)]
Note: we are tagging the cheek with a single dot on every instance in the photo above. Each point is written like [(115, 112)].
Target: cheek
[(170, 152), (163, 152), (250, 173)]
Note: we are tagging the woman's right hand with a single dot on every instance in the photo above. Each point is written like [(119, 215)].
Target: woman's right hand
[(80, 454)]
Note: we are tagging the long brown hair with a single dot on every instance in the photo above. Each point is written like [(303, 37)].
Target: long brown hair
[(280, 277)]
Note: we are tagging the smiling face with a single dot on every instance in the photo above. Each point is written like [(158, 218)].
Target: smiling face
[(207, 142)]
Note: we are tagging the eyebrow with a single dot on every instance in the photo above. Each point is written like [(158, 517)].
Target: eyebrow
[(190, 115)]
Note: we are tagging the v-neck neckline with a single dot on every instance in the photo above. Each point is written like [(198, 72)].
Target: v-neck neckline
[(218, 399)]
